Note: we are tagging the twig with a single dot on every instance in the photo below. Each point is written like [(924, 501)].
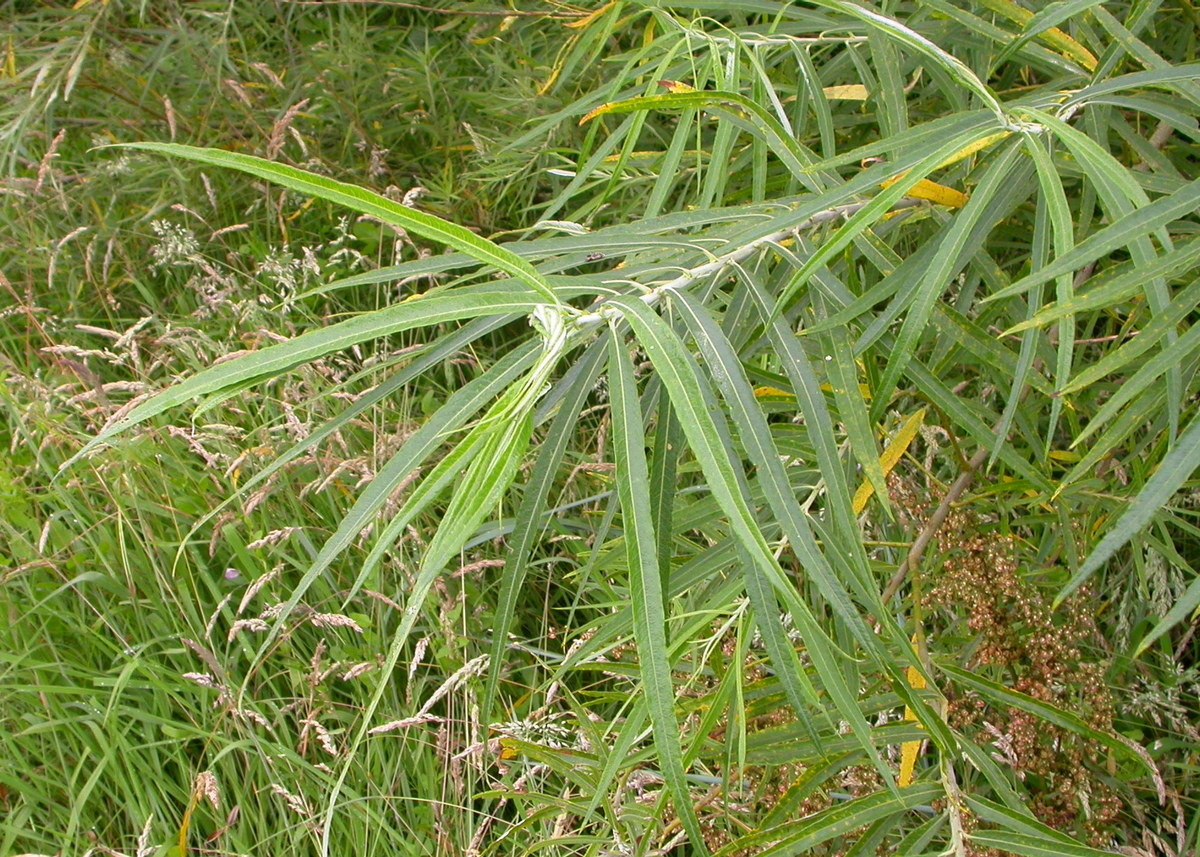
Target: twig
[(653, 295), (961, 484), (1162, 133)]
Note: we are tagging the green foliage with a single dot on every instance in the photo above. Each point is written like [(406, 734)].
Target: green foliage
[(551, 542)]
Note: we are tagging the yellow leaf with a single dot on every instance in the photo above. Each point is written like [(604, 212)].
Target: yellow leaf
[(1052, 36), (775, 392), (675, 86), (967, 151), (847, 92), (587, 19), (932, 191), (910, 750), (892, 453), (508, 749)]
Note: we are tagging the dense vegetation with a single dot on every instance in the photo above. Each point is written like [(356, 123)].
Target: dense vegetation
[(745, 427)]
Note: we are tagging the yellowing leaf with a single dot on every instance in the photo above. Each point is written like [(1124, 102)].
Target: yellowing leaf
[(910, 750), (932, 191), (776, 393), (847, 92), (892, 454), (587, 19), (977, 146), (1052, 36), (863, 389), (675, 86)]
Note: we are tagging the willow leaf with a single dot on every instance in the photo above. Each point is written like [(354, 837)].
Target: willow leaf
[(1137, 224), (1023, 702), (1176, 468), (678, 372), (366, 202), (649, 616), (800, 837), (274, 359)]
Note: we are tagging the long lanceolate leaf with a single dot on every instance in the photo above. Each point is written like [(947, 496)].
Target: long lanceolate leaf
[(875, 210), (1123, 197), (755, 435), (955, 67), (678, 371), (801, 836), (936, 279), (459, 408), (496, 447), (424, 311), (530, 523), (649, 617), (1176, 468), (1133, 226), (501, 445), (758, 121), (434, 354), (367, 202)]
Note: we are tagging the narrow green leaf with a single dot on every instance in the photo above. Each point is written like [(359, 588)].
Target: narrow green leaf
[(755, 435), (275, 359), (1161, 325), (1050, 61), (1048, 17), (947, 261), (1033, 846), (459, 408), (800, 837), (873, 211), (1054, 198), (428, 357), (854, 412), (1117, 284), (1176, 468), (956, 68), (738, 109), (1137, 224), (529, 522), (678, 372), (502, 442), (1142, 381), (649, 617), (1145, 55), (366, 202), (1187, 604), (1162, 77), (1017, 819), (968, 418), (1147, 409), (664, 466)]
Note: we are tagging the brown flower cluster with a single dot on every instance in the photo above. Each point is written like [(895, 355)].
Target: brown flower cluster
[(1020, 641)]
